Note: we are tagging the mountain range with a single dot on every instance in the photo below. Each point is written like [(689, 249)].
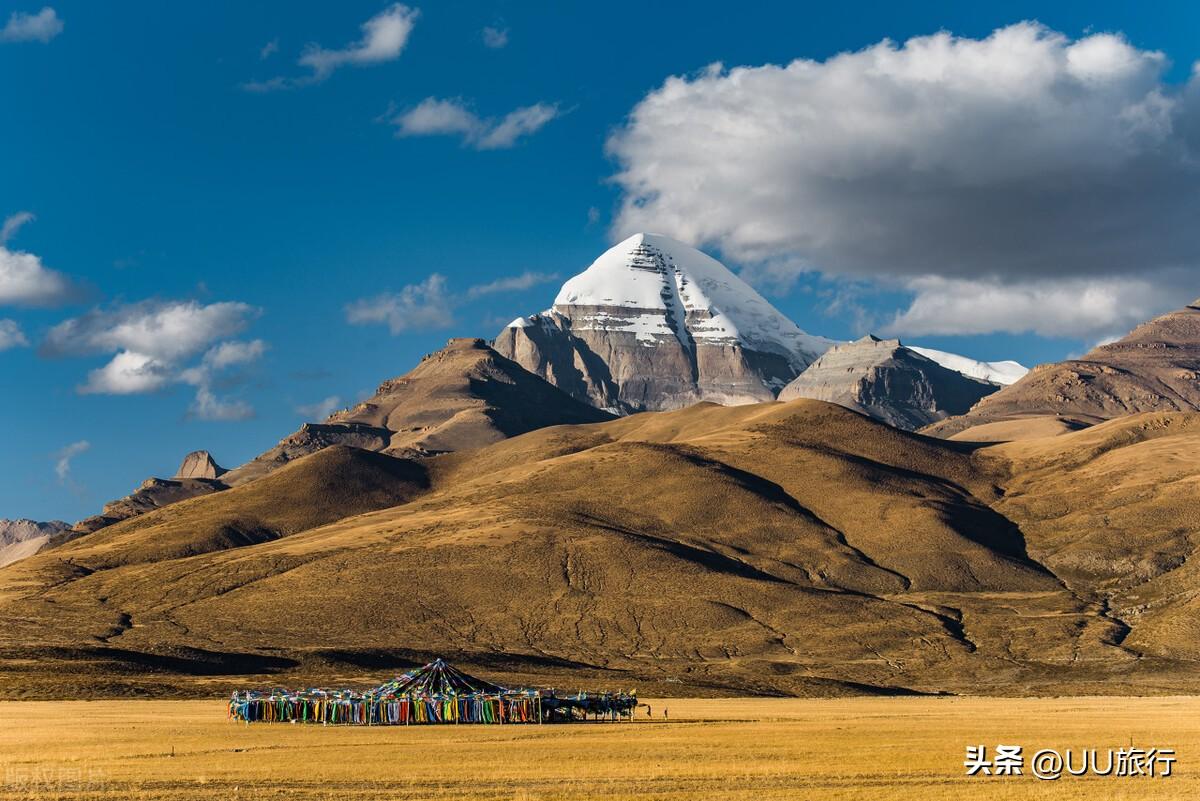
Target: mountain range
[(21, 538), (661, 480), (888, 381), (654, 324), (1156, 367)]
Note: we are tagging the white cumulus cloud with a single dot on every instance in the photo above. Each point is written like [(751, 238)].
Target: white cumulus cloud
[(384, 37), (24, 279), (11, 335), (430, 304), (152, 343), (208, 406), (128, 373), (1094, 308), (441, 117), (24, 27), (166, 330), (424, 305), (1021, 165), (232, 353)]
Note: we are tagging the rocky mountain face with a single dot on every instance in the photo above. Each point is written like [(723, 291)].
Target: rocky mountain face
[(888, 381), (153, 493), (464, 396), (197, 475), (199, 464), (22, 537), (654, 324), (1155, 368)]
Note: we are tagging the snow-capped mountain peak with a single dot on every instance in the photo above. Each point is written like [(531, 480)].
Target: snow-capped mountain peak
[(656, 324), (1003, 373), (663, 287)]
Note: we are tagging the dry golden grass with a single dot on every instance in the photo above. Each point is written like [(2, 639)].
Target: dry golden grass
[(761, 749), (779, 549)]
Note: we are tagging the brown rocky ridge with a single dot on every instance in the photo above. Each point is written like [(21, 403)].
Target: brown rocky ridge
[(843, 556), (1155, 368), (884, 379)]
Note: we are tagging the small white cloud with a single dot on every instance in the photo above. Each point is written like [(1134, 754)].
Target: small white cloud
[(268, 50), (518, 123), (13, 224), (434, 116), (63, 457), (384, 37), (513, 283), (11, 335), (208, 406), (165, 330), (228, 354), (269, 85), (40, 27), (428, 305), (153, 340), (423, 305), (495, 37), (321, 409), (24, 280), (593, 215), (128, 373)]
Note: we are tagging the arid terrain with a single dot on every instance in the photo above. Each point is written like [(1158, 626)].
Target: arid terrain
[(1152, 369), (891, 749), (782, 548)]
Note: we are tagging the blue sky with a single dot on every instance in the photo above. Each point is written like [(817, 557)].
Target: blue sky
[(161, 176)]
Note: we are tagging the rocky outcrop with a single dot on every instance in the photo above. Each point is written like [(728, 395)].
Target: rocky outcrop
[(199, 464), (22, 537), (888, 381), (154, 493), (464, 396), (1156, 368), (654, 324)]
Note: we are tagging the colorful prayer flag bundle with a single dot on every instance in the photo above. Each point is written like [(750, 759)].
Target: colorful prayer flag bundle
[(435, 693)]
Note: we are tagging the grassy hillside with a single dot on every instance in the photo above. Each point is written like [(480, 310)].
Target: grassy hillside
[(793, 548)]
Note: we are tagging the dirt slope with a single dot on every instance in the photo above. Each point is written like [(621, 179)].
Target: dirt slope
[(798, 548), (1156, 368), (1112, 510), (334, 483), (463, 396)]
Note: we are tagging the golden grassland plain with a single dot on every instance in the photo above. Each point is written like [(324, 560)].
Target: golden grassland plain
[(738, 748)]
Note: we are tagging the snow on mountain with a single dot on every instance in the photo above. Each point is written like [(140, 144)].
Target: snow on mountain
[(655, 324), (674, 289), (888, 381), (1003, 373)]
